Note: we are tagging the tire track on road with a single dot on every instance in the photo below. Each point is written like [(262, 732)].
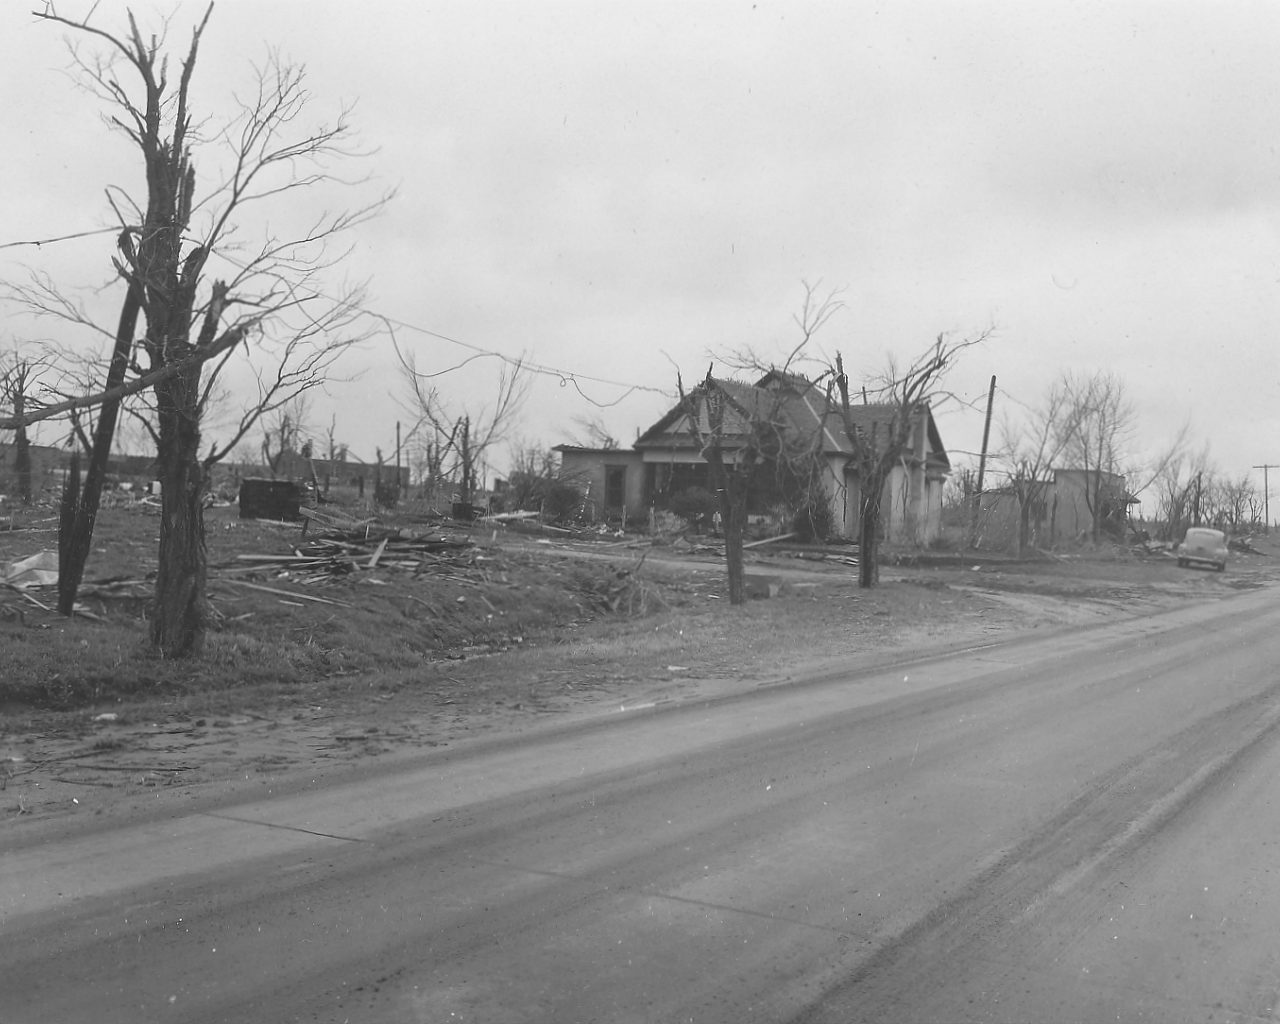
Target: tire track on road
[(1007, 914)]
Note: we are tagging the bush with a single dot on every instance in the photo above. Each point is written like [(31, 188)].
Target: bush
[(814, 522), (694, 505), (561, 500)]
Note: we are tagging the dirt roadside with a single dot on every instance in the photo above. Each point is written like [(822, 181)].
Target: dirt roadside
[(110, 764)]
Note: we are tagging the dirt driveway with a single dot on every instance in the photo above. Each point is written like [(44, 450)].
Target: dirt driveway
[(70, 770)]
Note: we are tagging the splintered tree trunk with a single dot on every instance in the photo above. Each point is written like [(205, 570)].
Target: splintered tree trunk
[(869, 546), (1024, 529), (180, 613), (22, 451), (467, 458), (869, 534), (733, 510), (731, 488), (79, 540), (67, 516), (22, 464)]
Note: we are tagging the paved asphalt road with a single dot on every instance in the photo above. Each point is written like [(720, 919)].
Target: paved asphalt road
[(1083, 826)]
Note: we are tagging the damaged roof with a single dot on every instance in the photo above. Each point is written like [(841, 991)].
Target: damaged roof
[(798, 403)]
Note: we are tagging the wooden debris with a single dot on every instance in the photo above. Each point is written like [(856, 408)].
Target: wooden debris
[(38, 604), (338, 554), (331, 520), (768, 540), (290, 593)]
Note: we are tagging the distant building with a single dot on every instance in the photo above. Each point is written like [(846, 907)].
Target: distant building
[(347, 470), (49, 467), (1063, 512)]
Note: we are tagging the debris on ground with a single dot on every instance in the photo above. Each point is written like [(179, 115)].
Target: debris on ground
[(32, 526), (40, 569), (337, 554), (1243, 544), (333, 519), (768, 540)]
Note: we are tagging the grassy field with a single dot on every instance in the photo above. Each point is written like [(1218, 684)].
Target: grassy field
[(277, 627)]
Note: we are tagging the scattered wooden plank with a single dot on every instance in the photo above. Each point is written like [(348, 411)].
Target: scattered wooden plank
[(281, 558), (768, 540), (290, 593)]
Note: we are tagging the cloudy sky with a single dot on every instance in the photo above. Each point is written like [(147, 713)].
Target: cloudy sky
[(614, 190)]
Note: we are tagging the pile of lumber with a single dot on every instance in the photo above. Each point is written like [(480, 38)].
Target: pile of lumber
[(338, 554)]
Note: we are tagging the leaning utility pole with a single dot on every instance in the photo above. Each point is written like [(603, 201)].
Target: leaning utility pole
[(1266, 495), (982, 466)]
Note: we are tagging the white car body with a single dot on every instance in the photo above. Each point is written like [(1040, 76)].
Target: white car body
[(1202, 546)]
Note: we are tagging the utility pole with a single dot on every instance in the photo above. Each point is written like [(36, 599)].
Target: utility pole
[(397, 458), (1266, 495), (982, 466)]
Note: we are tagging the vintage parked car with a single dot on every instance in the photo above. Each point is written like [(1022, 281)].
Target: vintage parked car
[(1202, 546)]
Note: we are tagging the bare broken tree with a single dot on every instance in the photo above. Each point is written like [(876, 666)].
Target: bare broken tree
[(882, 442), (1086, 419), (20, 373), (1238, 505), (1032, 444), (1181, 488), (705, 409), (463, 434), (748, 437), (267, 309), (283, 431), (595, 434), (1102, 423)]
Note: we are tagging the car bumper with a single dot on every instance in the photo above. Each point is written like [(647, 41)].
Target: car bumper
[(1216, 563)]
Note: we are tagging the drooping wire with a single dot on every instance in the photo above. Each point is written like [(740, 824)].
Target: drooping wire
[(566, 377), (38, 242)]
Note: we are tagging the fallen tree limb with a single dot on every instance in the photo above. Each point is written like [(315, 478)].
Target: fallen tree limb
[(229, 340)]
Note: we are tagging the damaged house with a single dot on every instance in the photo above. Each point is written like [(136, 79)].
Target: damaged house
[(666, 462)]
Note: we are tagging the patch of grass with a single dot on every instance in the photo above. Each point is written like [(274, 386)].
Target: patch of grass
[(386, 628)]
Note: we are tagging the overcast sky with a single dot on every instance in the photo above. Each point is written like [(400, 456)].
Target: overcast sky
[(618, 189)]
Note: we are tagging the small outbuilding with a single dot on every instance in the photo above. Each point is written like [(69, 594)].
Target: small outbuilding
[(271, 499)]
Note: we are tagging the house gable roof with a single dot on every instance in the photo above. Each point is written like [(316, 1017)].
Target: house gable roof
[(578, 449), (798, 402), (803, 405)]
